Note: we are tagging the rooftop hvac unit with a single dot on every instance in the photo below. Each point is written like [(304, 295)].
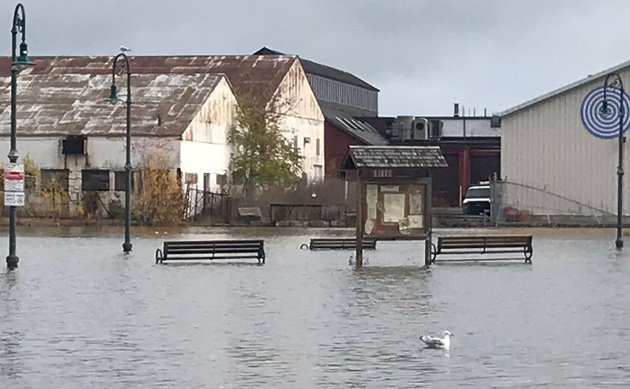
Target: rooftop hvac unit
[(402, 128), (420, 129), (435, 132)]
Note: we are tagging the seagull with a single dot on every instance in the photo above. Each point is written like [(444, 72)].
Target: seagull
[(123, 48), (436, 342)]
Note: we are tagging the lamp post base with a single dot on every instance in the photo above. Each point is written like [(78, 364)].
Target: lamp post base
[(12, 261), (618, 243), (126, 248)]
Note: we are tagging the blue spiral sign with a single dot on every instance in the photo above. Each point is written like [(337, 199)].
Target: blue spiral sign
[(605, 124)]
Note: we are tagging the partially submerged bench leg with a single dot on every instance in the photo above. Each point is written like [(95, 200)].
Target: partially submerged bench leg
[(529, 251), (434, 252)]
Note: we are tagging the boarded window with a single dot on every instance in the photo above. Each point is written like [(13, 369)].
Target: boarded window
[(60, 175), (221, 180), (95, 180), (295, 142), (120, 180), (317, 147)]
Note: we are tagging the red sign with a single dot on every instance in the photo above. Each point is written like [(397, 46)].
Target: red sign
[(14, 175)]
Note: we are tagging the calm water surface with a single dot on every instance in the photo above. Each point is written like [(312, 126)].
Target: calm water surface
[(78, 314)]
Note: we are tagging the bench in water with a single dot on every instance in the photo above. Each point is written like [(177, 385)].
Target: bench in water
[(470, 245), (210, 250), (338, 244)]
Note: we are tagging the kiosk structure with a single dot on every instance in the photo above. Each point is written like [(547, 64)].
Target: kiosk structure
[(393, 193)]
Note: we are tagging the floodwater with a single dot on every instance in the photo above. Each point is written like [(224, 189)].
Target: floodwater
[(77, 314)]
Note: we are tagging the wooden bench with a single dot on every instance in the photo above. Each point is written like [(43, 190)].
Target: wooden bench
[(338, 244), (497, 244), (210, 250)]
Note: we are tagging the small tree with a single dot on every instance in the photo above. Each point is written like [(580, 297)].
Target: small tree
[(160, 199), (31, 173), (261, 154)]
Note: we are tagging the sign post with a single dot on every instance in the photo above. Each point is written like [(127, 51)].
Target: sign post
[(14, 185)]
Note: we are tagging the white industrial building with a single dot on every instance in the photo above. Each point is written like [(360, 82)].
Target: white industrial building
[(182, 109), (551, 164)]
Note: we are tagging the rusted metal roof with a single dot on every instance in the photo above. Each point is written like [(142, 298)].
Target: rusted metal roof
[(259, 74), (394, 157), (66, 95), (75, 104)]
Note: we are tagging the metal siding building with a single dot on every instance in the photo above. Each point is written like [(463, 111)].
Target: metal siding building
[(551, 164)]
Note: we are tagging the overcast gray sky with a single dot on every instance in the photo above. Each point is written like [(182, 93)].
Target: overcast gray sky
[(423, 55)]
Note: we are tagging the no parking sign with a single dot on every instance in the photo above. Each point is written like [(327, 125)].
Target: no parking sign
[(14, 185)]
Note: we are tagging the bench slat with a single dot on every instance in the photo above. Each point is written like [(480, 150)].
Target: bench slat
[(210, 257), (339, 243), (481, 245), (212, 249)]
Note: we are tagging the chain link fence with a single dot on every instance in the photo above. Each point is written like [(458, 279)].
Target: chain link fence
[(517, 204)]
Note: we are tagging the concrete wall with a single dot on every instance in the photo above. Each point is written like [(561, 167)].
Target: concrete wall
[(102, 153)]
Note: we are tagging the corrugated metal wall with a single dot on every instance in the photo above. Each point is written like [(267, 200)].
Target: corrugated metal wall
[(568, 171)]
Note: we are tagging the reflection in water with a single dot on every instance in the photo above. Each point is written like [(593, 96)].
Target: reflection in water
[(11, 336), (78, 313)]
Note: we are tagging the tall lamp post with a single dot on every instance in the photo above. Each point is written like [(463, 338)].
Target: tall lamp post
[(19, 26), (613, 80), (119, 68)]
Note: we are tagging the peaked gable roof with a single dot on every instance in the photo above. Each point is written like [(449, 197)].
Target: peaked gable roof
[(248, 74), (590, 78), (75, 104), (325, 71)]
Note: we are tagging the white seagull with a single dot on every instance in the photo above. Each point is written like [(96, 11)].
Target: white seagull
[(123, 48), (436, 342)]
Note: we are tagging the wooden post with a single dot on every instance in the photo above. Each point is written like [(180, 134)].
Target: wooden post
[(359, 229)]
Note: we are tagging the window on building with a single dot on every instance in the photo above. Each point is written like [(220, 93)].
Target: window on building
[(190, 178), (317, 146), (221, 180), (120, 180), (136, 180), (382, 173), (59, 175), (206, 182), (295, 143), (318, 173), (95, 180)]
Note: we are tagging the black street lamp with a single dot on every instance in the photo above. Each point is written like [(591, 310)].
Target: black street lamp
[(19, 25), (613, 80), (118, 69)]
